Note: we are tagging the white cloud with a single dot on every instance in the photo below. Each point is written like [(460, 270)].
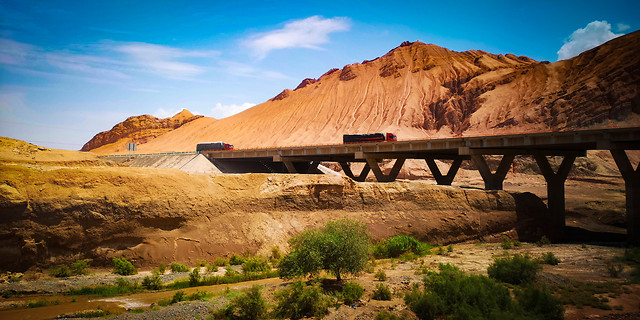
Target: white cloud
[(13, 52), (622, 27), (306, 33), (245, 70), (222, 111), (593, 35), (164, 60)]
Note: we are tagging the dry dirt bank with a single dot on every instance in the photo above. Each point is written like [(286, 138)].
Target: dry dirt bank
[(163, 215)]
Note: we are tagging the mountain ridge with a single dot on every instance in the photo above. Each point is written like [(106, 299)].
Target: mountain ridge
[(422, 90)]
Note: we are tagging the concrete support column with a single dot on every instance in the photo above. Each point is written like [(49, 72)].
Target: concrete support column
[(373, 163), (290, 166), (493, 181), (555, 190), (632, 187), (443, 179), (361, 177)]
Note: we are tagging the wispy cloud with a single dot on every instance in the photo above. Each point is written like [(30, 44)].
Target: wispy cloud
[(245, 70), (107, 30), (622, 27), (108, 60), (226, 110), (591, 36), (307, 33)]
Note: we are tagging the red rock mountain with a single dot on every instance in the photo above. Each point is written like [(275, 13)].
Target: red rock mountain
[(421, 90), (139, 129)]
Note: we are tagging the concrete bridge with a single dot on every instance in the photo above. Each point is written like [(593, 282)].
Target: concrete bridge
[(566, 144)]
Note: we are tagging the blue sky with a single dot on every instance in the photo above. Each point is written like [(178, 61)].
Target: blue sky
[(70, 69)]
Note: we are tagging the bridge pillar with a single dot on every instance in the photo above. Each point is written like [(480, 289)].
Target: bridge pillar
[(381, 177), (444, 179), (361, 177), (555, 190), (290, 166), (493, 181), (632, 187)]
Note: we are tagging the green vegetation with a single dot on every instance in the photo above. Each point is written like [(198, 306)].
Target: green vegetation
[(544, 241), (179, 267), (515, 270), (180, 296), (194, 277), (631, 257), (249, 305), (228, 278), (162, 268), (340, 247), (62, 271), (548, 258), (37, 303), (122, 287), (123, 267), (381, 275), (299, 300), (506, 243), (381, 292), (395, 246), (351, 292), (152, 283), (455, 295), (591, 294), (386, 315), (212, 268), (236, 260), (255, 264), (221, 262)]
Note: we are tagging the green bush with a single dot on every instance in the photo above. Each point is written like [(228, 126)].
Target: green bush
[(212, 268), (452, 294), (381, 275), (548, 258), (152, 283), (221, 262), (255, 265), (177, 297), (79, 267), (236, 260), (515, 270), (506, 243), (386, 315), (275, 253), (381, 292), (395, 246), (162, 268), (540, 302), (351, 292), (450, 248), (60, 271), (299, 300), (543, 241), (341, 247), (249, 305), (179, 267), (194, 277), (123, 267)]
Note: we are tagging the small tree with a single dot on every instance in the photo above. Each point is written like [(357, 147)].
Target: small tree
[(123, 267), (341, 247), (250, 304)]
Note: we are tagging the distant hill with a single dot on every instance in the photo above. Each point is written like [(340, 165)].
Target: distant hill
[(422, 90)]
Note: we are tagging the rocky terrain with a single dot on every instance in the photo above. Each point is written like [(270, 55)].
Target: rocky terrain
[(139, 129), (421, 90)]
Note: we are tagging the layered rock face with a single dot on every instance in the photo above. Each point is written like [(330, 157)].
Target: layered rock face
[(421, 90), (154, 216), (138, 129)]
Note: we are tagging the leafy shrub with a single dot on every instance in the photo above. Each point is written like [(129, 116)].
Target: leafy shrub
[(177, 297), (450, 248), (517, 243), (194, 277), (152, 283), (236, 260), (123, 267), (548, 258), (381, 275), (614, 269), (540, 302), (221, 262), (79, 267), (249, 305), (515, 270), (381, 292), (386, 315), (60, 271), (275, 253), (352, 291), (212, 268), (452, 294), (231, 272), (255, 265), (179, 267), (201, 263), (340, 247), (543, 241), (395, 246), (162, 268), (299, 300), (506, 243)]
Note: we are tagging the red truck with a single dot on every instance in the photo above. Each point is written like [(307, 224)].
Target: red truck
[(369, 137)]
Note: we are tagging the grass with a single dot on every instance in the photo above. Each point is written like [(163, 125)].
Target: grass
[(396, 246), (582, 294)]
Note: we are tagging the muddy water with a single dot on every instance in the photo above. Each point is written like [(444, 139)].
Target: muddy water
[(114, 305)]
